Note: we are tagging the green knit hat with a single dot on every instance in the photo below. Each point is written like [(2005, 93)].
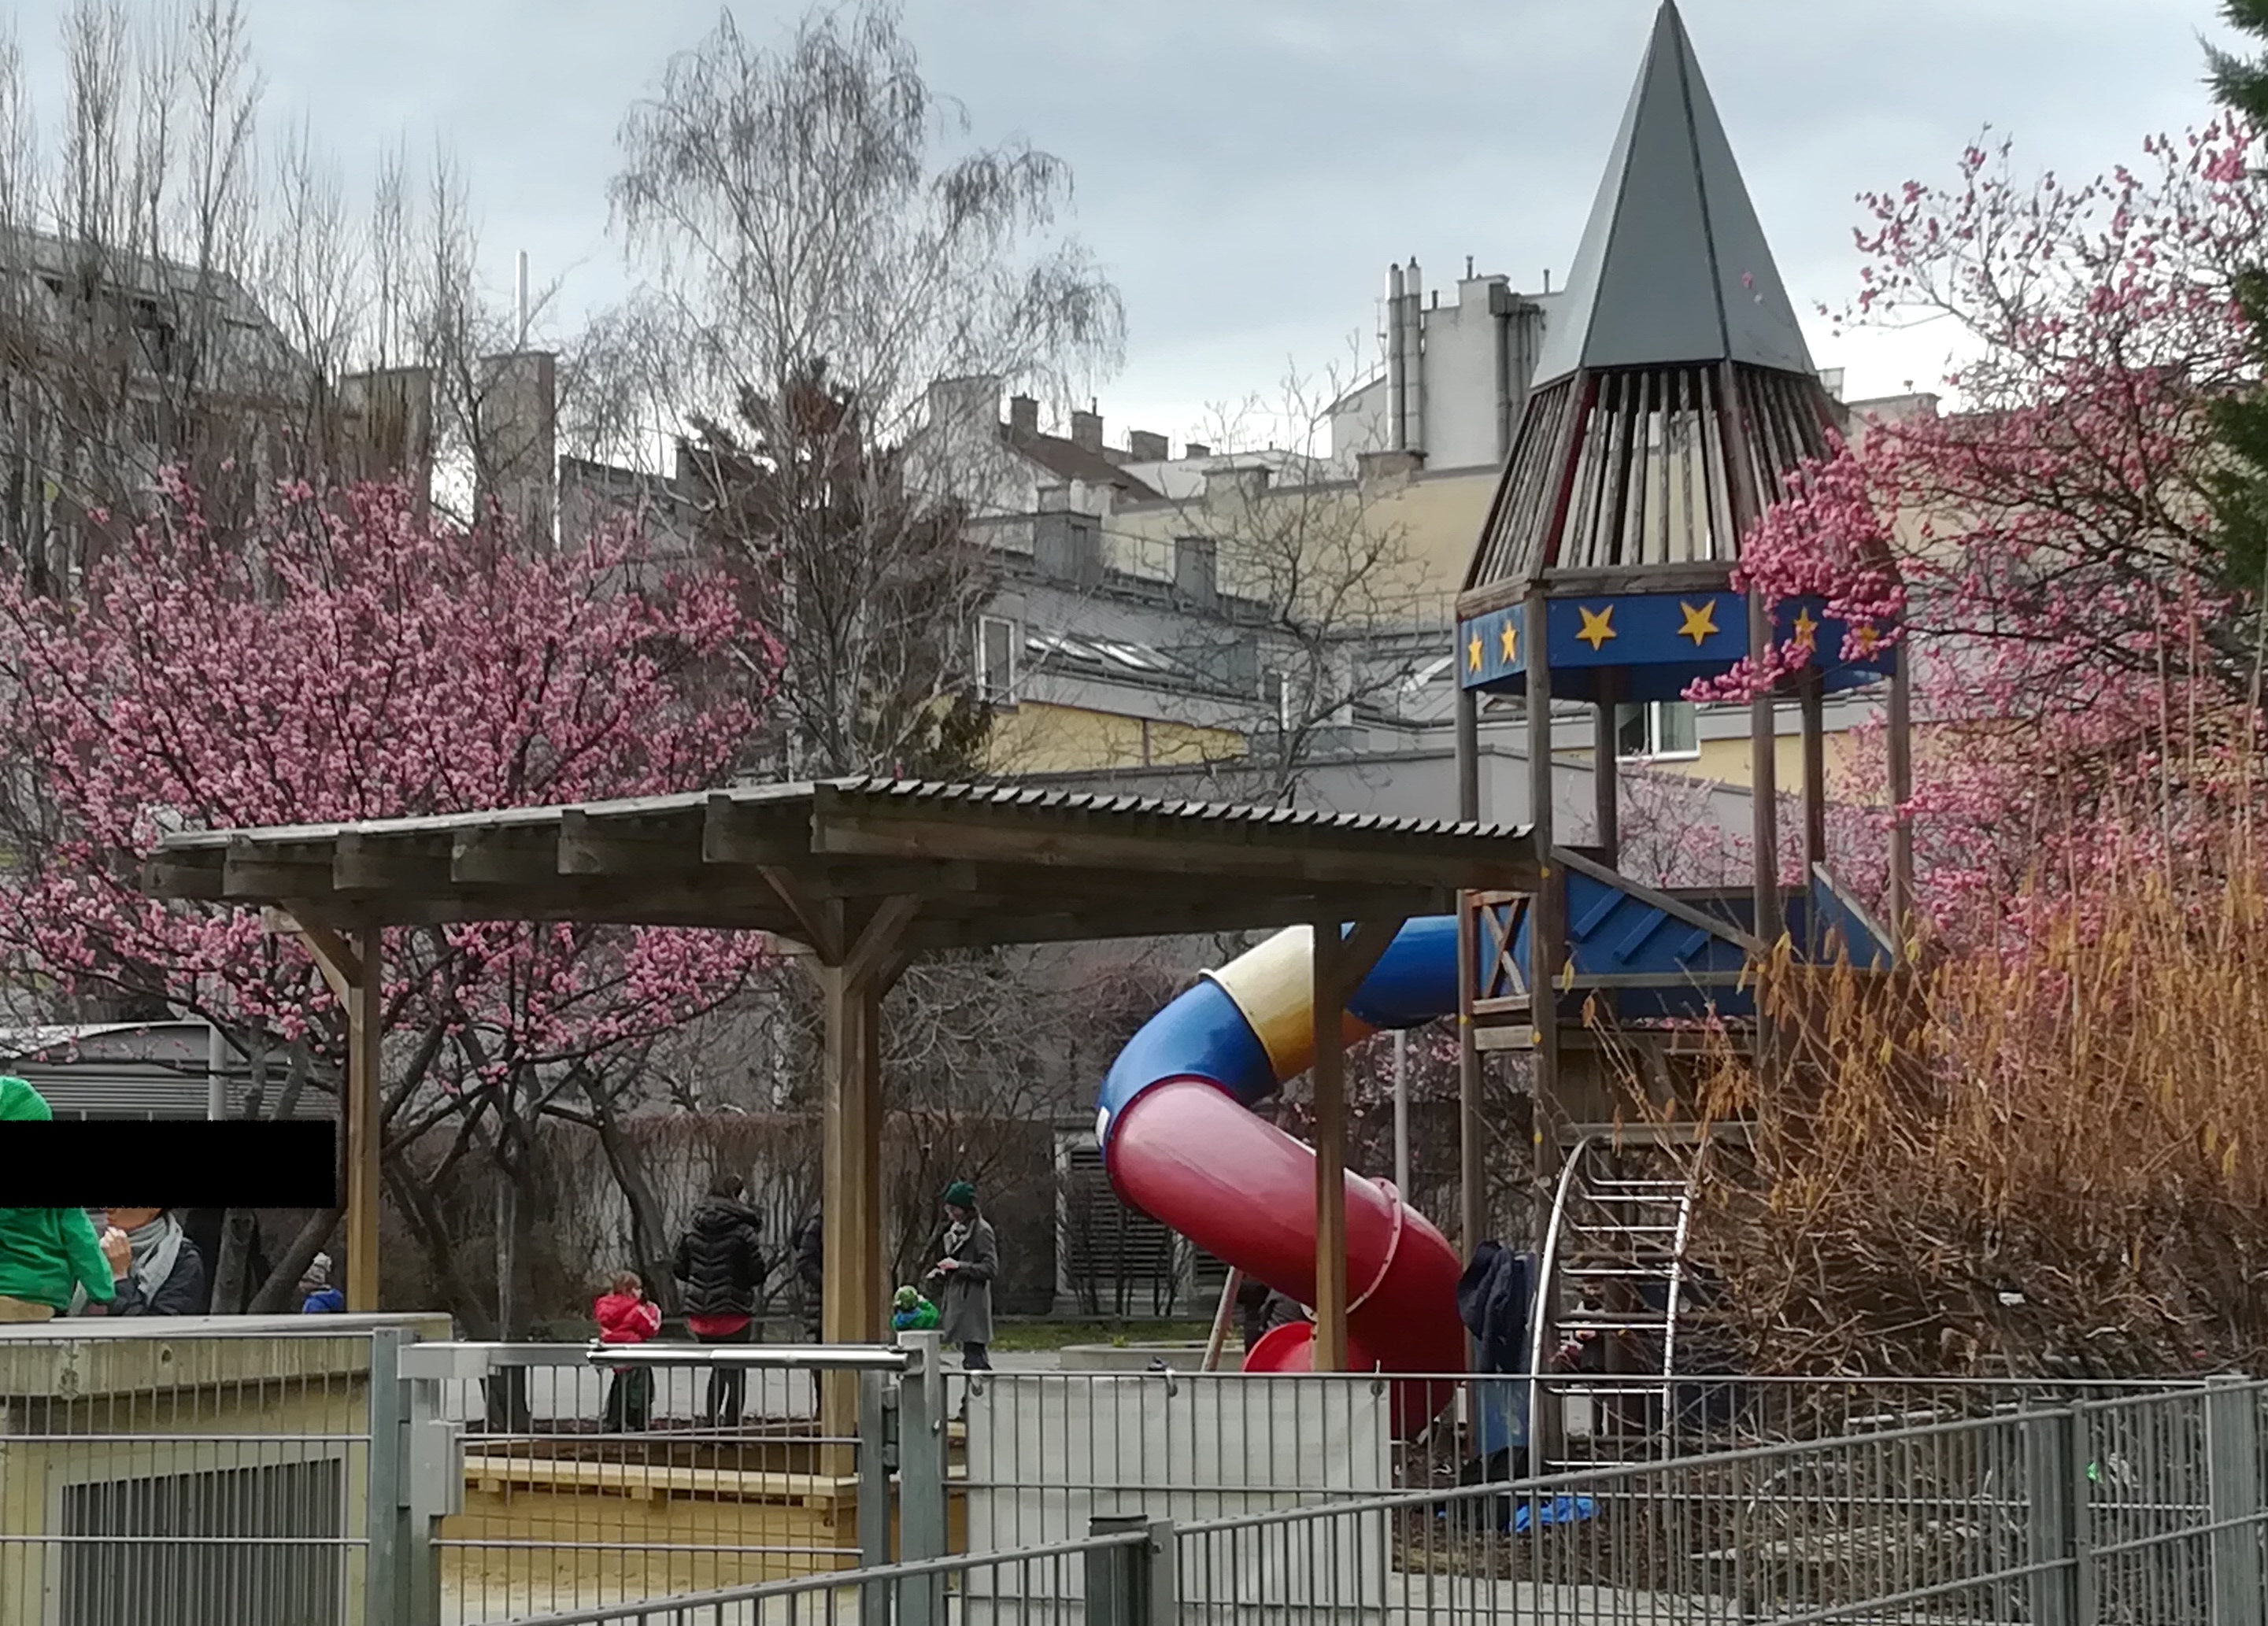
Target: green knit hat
[(961, 1194)]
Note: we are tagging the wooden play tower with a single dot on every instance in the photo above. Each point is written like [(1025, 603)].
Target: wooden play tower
[(1673, 397)]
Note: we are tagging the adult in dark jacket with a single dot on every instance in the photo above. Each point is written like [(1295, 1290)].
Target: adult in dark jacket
[(720, 1260), (811, 1273), (963, 1278), (157, 1265)]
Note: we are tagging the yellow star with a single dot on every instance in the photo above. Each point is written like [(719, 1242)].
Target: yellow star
[(1473, 653), (1509, 638), (1700, 621), (1598, 626), (1806, 629), (1867, 639)]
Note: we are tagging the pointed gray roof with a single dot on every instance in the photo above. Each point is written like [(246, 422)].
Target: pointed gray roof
[(1672, 266)]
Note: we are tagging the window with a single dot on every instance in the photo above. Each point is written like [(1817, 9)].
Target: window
[(1656, 730), (1279, 697), (997, 639)]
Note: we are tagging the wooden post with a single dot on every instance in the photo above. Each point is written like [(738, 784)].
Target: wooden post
[(366, 1036), (1764, 781), (851, 1127), (1900, 745), (1813, 693), (852, 981), (1606, 777), (1472, 1200), (1546, 920), (1340, 964), (1329, 1077), (855, 971)]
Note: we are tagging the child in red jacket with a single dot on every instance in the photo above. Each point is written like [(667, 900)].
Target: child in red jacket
[(626, 1315)]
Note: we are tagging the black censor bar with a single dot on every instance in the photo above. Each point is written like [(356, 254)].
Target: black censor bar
[(184, 1163)]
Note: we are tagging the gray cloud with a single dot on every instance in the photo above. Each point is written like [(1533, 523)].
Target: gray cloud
[(1247, 168)]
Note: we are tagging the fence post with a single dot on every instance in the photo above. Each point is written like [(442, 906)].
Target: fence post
[(2051, 1516), (1127, 1585), (876, 1450), (922, 1532), (386, 1524), (2232, 1444), (434, 1480)]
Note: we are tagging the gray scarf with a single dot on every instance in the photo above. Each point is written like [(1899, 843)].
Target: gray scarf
[(155, 1248), (955, 1234)]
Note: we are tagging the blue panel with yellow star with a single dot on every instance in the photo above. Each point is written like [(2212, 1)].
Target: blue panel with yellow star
[(1660, 644)]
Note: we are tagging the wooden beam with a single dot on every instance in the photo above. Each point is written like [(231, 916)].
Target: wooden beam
[(1606, 766), (256, 873), (819, 916), (1471, 1130), (366, 1036), (596, 846), (1677, 909), (1547, 944), (1763, 779), (197, 875), (736, 832), (338, 960), (362, 863), (1340, 965), (1328, 1076), (1172, 918), (1397, 858), (505, 857)]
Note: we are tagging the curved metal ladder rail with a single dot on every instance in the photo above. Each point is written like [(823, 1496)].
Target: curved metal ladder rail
[(1585, 1190)]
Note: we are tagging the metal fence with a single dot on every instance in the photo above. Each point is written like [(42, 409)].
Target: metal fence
[(587, 1476), (292, 1475), (2135, 1510), (197, 1480), (1044, 1449)]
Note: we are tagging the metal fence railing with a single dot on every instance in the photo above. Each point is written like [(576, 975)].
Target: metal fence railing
[(584, 1477), (167, 1478), (2130, 1511), (346, 1473)]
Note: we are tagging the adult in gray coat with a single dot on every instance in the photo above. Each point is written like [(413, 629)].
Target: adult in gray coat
[(962, 1280)]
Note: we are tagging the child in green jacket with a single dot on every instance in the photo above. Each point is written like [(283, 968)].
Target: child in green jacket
[(45, 1253)]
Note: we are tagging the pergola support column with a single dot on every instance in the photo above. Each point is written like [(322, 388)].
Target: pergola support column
[(355, 971), (1341, 963)]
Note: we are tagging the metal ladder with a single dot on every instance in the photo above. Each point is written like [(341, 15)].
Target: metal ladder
[(1613, 1268)]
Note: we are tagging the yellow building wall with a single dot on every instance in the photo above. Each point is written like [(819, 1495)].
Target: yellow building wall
[(1039, 738), (1410, 537), (1731, 761)]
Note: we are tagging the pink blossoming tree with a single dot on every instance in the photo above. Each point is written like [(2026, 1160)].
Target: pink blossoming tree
[(344, 659)]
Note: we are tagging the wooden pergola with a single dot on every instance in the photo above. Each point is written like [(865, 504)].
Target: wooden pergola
[(858, 876)]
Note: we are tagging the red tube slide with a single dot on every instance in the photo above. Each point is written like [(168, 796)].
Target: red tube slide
[(1187, 1153)]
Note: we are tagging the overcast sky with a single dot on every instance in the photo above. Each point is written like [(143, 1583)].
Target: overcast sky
[(1247, 168)]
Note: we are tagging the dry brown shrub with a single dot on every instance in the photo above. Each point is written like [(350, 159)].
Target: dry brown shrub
[(2046, 1157)]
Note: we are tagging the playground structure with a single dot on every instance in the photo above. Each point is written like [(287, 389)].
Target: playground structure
[(1673, 396)]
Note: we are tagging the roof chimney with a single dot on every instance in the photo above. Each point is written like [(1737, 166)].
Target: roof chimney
[(1086, 431), (1144, 447), (1197, 448), (1023, 414)]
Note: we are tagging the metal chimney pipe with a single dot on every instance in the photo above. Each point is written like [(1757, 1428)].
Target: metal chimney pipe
[(1413, 359), (1398, 435)]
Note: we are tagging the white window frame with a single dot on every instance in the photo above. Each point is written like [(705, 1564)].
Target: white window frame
[(1653, 753), (993, 687)]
